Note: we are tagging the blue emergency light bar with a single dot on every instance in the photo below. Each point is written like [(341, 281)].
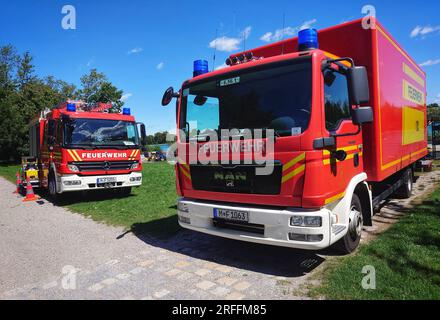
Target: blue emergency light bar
[(200, 67), (126, 111), (71, 107), (308, 40)]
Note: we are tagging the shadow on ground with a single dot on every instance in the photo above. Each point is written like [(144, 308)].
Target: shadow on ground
[(276, 261), (79, 197)]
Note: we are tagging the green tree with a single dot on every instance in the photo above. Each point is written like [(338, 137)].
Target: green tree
[(433, 111), (95, 87), (22, 97)]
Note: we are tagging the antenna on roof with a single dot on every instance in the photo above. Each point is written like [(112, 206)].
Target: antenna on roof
[(215, 49), (283, 30)]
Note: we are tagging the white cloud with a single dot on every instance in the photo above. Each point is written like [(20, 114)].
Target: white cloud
[(228, 44), (90, 62), (135, 50), (279, 34), (160, 66), (225, 44), (423, 31), (126, 96), (307, 24), (246, 32), (429, 63)]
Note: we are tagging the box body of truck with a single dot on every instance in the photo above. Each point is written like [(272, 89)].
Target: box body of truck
[(307, 181)]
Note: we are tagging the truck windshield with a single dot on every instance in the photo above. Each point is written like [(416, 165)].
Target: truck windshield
[(100, 133), (277, 97)]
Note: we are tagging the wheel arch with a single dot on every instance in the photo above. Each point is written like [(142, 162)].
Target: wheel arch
[(364, 194)]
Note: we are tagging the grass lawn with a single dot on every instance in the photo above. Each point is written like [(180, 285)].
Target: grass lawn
[(406, 259), (149, 209), (8, 171)]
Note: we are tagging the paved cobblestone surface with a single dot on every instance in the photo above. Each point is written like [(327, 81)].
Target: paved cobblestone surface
[(45, 250)]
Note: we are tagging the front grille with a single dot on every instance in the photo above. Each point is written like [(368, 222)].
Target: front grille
[(236, 179), (247, 227), (103, 165)]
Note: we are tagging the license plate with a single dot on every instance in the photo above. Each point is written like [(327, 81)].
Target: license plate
[(106, 180), (232, 215)]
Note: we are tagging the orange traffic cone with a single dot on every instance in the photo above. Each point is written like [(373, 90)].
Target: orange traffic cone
[(18, 182), (30, 195)]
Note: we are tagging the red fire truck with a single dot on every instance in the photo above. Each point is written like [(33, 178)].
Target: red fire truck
[(348, 111), (79, 146)]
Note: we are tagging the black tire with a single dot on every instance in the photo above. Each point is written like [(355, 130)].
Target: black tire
[(351, 240), (405, 191), (125, 191), (52, 186)]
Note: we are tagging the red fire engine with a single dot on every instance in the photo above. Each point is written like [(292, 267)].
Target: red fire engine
[(349, 120), (78, 146)]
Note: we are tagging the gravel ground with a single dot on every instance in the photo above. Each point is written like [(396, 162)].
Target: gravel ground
[(48, 252)]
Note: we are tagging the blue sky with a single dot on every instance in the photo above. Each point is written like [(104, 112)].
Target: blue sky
[(146, 46)]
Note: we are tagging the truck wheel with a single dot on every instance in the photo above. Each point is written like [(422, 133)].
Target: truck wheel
[(405, 191), (52, 186), (351, 240)]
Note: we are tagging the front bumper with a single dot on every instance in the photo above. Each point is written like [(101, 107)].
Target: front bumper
[(276, 224), (64, 182)]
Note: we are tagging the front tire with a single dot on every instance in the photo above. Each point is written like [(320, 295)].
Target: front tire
[(52, 186), (351, 240)]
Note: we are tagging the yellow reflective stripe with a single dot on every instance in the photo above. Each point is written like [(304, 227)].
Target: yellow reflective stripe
[(74, 155), (294, 161), (398, 48), (185, 173), (406, 157), (134, 154), (418, 152), (350, 156), (293, 173), (77, 155), (334, 198), (348, 148), (413, 75)]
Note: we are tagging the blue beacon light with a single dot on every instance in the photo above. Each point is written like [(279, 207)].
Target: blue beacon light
[(308, 40), (200, 67), (71, 107), (126, 111)]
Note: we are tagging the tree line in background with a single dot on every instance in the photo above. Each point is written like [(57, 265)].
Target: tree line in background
[(23, 95), (434, 111)]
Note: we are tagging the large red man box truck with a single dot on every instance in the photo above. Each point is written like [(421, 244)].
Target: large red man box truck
[(78, 146), (348, 110)]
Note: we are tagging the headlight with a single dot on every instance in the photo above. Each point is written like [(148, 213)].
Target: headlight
[(72, 168), (183, 207), (307, 221), (134, 166)]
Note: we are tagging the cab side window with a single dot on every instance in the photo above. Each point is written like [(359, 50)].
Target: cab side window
[(337, 106), (59, 133)]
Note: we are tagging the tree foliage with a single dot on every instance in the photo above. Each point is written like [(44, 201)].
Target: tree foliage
[(23, 95), (434, 111), (97, 88)]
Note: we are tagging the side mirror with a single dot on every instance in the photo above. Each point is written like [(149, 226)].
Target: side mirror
[(168, 96), (362, 115), (51, 132), (143, 135), (51, 127), (358, 88)]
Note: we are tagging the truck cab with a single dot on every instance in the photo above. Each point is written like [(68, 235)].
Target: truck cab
[(83, 147)]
